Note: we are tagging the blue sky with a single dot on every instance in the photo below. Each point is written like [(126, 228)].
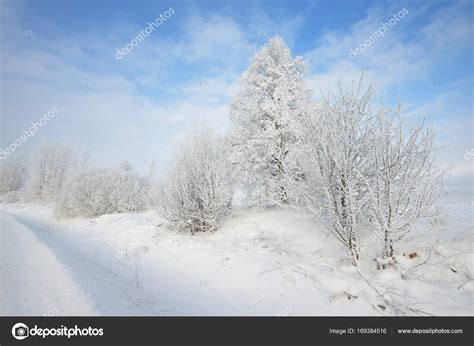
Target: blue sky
[(62, 54)]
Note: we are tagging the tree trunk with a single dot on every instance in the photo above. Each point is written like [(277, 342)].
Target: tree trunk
[(353, 251), (388, 241)]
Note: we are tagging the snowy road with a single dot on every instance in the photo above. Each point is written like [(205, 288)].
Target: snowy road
[(42, 273), (33, 281)]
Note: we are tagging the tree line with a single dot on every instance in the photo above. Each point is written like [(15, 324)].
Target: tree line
[(344, 157)]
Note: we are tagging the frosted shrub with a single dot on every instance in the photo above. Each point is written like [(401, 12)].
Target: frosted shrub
[(100, 191), (195, 188)]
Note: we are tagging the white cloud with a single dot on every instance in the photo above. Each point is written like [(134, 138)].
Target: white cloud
[(388, 60), (214, 37), (406, 53)]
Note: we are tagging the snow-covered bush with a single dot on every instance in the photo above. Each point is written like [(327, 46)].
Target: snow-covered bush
[(273, 98), (102, 191), (195, 189), (12, 177), (50, 165)]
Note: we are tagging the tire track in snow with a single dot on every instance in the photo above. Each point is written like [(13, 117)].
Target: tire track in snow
[(33, 282)]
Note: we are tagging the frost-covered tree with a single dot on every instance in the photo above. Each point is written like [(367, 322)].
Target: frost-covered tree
[(196, 187), (102, 191), (12, 176), (404, 184), (49, 167), (363, 166), (272, 100), (333, 155)]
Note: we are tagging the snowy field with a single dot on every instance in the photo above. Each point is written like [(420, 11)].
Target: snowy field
[(274, 262)]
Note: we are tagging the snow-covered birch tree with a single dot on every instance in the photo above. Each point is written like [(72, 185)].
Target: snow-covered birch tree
[(333, 155), (363, 165), (271, 101), (404, 183)]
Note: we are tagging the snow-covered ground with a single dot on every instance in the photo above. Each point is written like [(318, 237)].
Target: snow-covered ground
[(258, 263)]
